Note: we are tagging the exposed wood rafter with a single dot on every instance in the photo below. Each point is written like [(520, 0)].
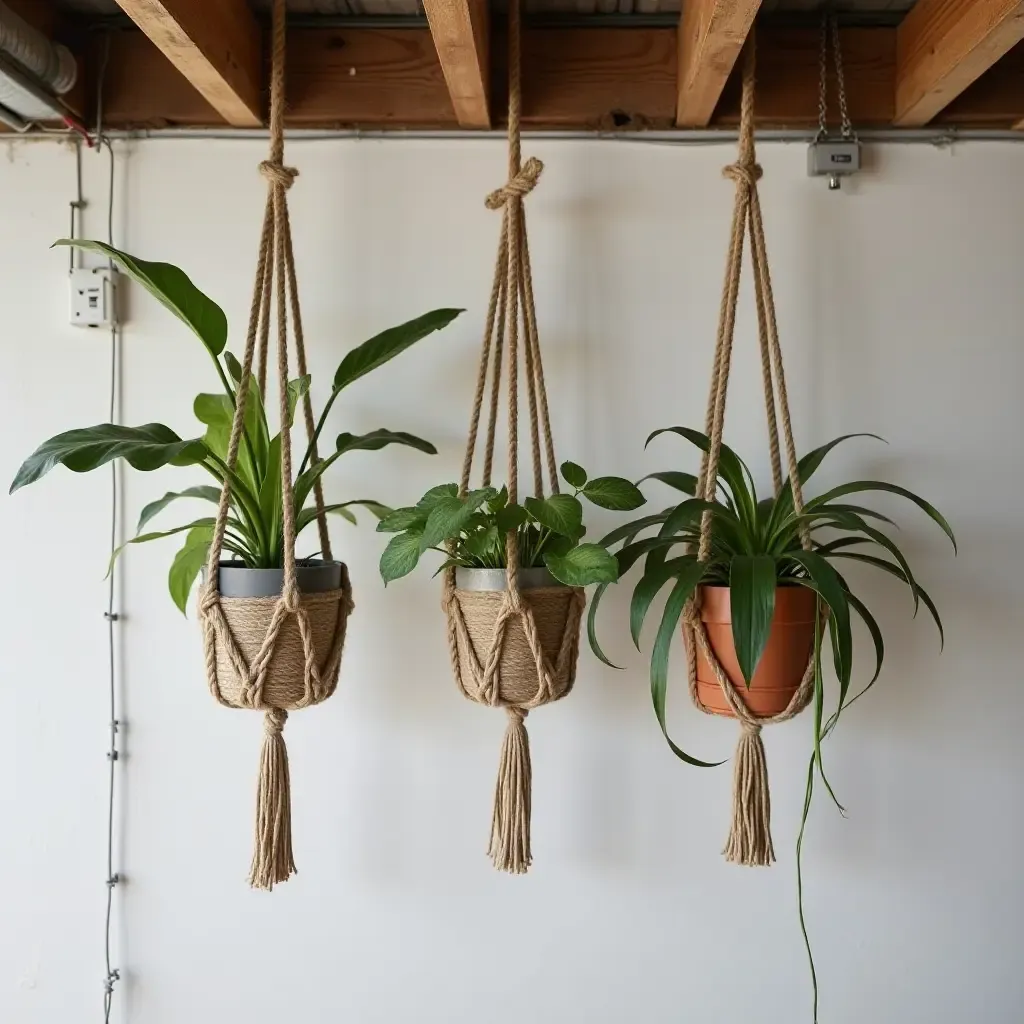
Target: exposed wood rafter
[(943, 46), (215, 45), (461, 33), (711, 35)]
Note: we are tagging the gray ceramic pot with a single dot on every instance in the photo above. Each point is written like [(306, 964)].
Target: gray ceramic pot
[(314, 576), (495, 579)]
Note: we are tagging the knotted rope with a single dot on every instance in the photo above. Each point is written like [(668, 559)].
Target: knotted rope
[(750, 840), (513, 649), (279, 653)]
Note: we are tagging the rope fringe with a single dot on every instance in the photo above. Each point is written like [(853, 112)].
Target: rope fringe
[(272, 859), (510, 825)]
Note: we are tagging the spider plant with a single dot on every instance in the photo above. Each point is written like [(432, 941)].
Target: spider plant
[(757, 545), (255, 524)]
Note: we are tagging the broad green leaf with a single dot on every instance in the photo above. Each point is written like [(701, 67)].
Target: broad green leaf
[(172, 287), (400, 556), (388, 344), (614, 493), (685, 482), (403, 519), (145, 448), (560, 513), (573, 475), (450, 515), (188, 563), (583, 565), (207, 492), (145, 538), (681, 593), (511, 517), (498, 502), (377, 439), (234, 367), (650, 585), (752, 583), (435, 494), (217, 412), (858, 486)]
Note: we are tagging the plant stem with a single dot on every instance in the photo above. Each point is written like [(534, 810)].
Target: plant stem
[(245, 503), (316, 433)]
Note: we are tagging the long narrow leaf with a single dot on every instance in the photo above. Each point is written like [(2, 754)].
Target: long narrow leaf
[(831, 590), (681, 593), (650, 585), (752, 583), (207, 492)]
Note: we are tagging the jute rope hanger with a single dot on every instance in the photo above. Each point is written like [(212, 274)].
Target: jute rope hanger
[(516, 650), (274, 654), (749, 841)]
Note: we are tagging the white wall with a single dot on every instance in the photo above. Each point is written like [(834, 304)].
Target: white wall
[(902, 309)]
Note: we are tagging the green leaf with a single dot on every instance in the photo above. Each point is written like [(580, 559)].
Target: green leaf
[(583, 565), (650, 585), (878, 485), (145, 538), (435, 494), (145, 448), (895, 570), (403, 519), (400, 556), (831, 589), (172, 287), (560, 513), (207, 492), (297, 389), (876, 634), (628, 531), (388, 344), (188, 563), (498, 502), (752, 583), (271, 499), (234, 367), (450, 515), (614, 493), (573, 475), (681, 593), (685, 482), (595, 646), (377, 439), (511, 517)]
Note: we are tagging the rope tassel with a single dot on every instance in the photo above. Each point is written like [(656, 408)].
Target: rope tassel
[(272, 859), (510, 825), (750, 835)]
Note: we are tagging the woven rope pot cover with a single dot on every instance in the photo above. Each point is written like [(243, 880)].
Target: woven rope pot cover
[(750, 840), (514, 648), (280, 653)]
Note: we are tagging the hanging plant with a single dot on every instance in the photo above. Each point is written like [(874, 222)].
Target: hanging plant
[(755, 583), (254, 533), (273, 626)]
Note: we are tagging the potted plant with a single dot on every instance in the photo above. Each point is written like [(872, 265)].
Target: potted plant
[(763, 596), (472, 531), (254, 534)]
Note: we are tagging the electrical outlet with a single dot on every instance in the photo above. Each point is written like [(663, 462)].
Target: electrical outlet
[(94, 297)]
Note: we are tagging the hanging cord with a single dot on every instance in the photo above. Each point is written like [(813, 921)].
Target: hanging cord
[(749, 840), (528, 678), (302, 674)]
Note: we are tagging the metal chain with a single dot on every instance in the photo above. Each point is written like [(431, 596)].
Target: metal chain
[(830, 25)]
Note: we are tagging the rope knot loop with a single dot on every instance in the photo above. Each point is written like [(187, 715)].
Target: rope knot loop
[(290, 597), (751, 728), (278, 173), (746, 173), (516, 714), (273, 721), (518, 187), (208, 597)]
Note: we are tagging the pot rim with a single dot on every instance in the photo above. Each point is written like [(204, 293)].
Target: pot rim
[(314, 576), (534, 577)]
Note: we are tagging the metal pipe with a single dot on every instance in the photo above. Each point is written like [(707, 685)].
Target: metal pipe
[(51, 63)]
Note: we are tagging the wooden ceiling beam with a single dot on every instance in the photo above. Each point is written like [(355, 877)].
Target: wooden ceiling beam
[(215, 45), (461, 33), (944, 46), (578, 79), (711, 35)]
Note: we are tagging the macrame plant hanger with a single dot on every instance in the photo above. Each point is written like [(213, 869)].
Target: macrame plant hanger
[(513, 648), (750, 838), (274, 654)]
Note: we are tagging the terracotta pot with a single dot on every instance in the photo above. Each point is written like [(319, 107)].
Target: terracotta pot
[(782, 664)]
